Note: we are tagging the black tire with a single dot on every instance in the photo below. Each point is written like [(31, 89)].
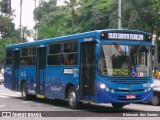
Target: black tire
[(155, 100), (118, 105), (24, 92), (72, 98)]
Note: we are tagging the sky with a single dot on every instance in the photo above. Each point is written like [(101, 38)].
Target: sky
[(27, 12)]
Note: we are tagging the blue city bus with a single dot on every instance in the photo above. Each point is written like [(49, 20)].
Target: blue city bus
[(102, 66)]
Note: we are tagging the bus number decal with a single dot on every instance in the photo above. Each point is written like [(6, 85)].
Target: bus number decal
[(23, 74), (41, 46), (68, 71), (87, 39)]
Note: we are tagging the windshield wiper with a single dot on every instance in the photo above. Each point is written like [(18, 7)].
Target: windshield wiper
[(119, 49)]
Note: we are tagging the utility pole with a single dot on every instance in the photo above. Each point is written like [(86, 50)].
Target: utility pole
[(119, 14), (20, 24), (35, 21)]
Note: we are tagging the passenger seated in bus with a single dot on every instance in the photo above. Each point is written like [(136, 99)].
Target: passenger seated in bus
[(73, 60), (23, 62), (67, 61), (157, 75)]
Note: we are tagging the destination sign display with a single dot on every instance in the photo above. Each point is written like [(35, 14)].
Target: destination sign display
[(125, 36)]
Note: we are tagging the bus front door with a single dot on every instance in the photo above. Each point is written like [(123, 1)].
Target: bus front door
[(40, 70), (87, 75), (15, 70)]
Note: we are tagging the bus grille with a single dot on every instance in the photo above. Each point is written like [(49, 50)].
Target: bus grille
[(129, 80)]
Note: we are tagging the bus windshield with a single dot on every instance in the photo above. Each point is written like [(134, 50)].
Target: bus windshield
[(124, 60)]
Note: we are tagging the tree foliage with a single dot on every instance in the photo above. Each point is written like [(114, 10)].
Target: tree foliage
[(8, 33), (76, 16)]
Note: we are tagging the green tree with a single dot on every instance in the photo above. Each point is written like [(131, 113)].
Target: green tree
[(141, 14), (73, 5), (25, 33), (50, 19)]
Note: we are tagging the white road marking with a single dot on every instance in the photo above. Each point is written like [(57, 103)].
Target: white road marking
[(11, 94), (26, 102), (5, 93), (2, 105), (2, 96)]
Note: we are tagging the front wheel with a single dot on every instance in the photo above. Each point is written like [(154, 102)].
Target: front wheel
[(72, 98), (155, 100)]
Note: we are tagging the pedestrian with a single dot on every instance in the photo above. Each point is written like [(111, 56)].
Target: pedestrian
[(157, 75)]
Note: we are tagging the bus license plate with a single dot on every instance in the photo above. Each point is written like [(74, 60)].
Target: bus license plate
[(130, 96)]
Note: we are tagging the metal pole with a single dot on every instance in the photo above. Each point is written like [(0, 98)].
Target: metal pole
[(156, 55), (20, 24), (119, 15), (156, 44), (35, 21)]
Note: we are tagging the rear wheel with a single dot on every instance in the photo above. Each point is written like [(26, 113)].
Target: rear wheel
[(24, 92), (72, 98), (155, 100)]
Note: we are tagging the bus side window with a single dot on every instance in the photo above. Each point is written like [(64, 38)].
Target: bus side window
[(8, 58), (54, 54), (70, 53), (24, 56)]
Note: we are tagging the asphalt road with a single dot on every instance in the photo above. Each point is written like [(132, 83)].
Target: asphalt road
[(10, 101)]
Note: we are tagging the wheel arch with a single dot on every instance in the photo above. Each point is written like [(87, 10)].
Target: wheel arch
[(69, 85)]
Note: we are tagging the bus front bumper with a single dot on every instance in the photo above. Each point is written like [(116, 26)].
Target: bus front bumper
[(123, 97)]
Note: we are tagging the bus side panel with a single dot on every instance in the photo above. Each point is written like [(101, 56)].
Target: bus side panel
[(53, 86), (8, 78), (28, 74), (31, 79), (71, 77)]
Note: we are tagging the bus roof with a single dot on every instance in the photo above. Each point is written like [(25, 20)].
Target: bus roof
[(72, 37)]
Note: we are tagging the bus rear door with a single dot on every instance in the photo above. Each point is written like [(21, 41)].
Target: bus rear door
[(15, 70), (40, 71), (87, 75)]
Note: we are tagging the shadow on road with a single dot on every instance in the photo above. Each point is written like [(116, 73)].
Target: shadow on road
[(84, 107)]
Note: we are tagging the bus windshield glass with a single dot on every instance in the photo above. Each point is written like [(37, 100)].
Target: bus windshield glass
[(124, 60)]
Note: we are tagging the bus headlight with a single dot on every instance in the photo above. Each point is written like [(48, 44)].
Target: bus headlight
[(103, 86), (151, 85)]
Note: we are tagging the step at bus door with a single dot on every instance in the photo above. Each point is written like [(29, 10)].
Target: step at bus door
[(15, 70), (87, 74), (40, 70)]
